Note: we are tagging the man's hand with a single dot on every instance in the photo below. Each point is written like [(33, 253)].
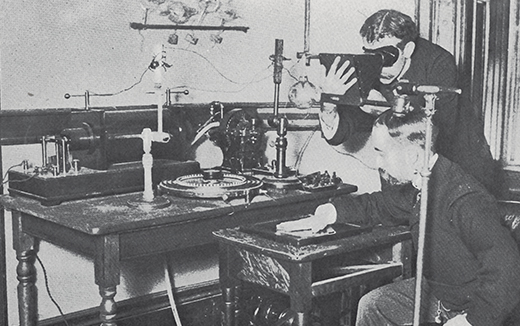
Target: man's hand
[(375, 95), (323, 215), (459, 320), (334, 82)]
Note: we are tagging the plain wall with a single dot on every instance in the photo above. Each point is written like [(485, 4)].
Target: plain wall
[(50, 48)]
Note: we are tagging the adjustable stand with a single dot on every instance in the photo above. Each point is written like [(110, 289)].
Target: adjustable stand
[(281, 177), (148, 200), (425, 174), (430, 95)]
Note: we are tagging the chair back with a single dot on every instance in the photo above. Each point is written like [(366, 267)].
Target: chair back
[(510, 212)]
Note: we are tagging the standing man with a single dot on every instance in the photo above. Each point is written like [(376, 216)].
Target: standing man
[(471, 262), (420, 62)]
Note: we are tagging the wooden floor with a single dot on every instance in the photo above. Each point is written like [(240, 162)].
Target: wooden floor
[(199, 306), (202, 307)]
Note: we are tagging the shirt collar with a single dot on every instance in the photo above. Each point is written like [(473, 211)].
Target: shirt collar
[(417, 179)]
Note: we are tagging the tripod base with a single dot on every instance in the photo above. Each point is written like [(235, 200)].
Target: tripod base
[(282, 183), (156, 202)]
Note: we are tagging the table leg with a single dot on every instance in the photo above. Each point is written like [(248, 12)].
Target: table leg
[(402, 253), (229, 265), (26, 248), (228, 311), (107, 309), (300, 291), (27, 291), (107, 274)]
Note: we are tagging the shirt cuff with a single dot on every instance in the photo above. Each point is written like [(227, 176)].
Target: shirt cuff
[(329, 129)]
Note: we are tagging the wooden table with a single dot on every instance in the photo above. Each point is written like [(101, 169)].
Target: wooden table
[(110, 231), (288, 269)]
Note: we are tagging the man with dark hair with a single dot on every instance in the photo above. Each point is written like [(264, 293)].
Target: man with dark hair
[(471, 262), (420, 62)]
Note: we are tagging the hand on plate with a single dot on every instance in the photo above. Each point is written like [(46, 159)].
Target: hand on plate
[(323, 216)]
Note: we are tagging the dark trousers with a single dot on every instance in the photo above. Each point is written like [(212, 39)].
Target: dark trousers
[(393, 304)]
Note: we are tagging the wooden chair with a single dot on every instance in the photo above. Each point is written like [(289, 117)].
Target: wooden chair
[(510, 211), (511, 219)]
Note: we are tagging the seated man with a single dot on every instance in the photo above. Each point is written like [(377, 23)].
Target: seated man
[(471, 263)]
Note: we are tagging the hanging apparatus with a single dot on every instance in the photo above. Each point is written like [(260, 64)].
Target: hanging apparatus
[(306, 36), (139, 26)]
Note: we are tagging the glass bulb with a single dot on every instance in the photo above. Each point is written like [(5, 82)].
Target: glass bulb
[(304, 94)]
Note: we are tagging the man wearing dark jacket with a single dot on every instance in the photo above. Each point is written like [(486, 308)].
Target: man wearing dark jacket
[(471, 262), (419, 62)]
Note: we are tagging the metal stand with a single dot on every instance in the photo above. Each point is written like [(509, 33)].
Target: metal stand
[(3, 263), (277, 59), (430, 95), (281, 178), (148, 200), (425, 174)]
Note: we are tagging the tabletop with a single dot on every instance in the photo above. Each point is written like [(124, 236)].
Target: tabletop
[(112, 214), (378, 236)]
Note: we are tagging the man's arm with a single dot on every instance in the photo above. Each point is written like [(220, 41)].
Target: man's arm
[(391, 207), (498, 288), (336, 82), (329, 120)]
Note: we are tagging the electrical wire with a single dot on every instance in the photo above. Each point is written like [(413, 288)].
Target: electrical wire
[(9, 169), (209, 62), (251, 82), (289, 72), (229, 79), (6, 174), (302, 150), (169, 287), (18, 181), (246, 84), (49, 291), (306, 144), (354, 157), (5, 178), (125, 89)]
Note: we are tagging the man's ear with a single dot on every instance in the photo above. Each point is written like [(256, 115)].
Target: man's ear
[(408, 49), (413, 157)]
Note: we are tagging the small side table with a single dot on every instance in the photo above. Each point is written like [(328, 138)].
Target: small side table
[(288, 269)]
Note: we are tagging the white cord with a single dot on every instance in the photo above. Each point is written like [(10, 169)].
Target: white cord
[(169, 289), (204, 130)]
